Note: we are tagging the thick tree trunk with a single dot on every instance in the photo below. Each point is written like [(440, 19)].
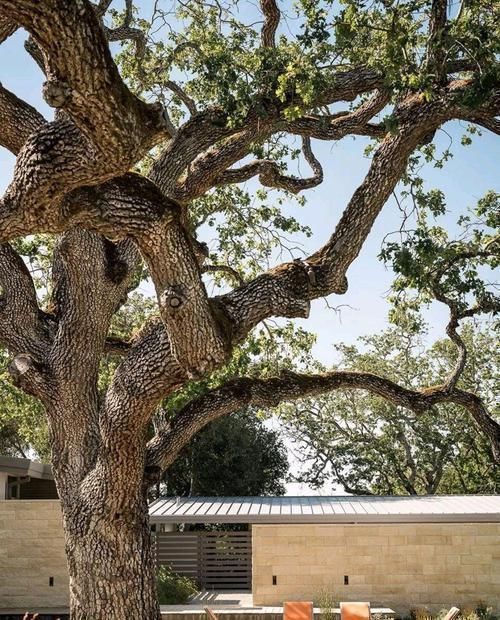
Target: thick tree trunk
[(111, 565)]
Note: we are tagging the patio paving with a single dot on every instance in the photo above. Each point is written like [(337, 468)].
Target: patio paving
[(235, 606)]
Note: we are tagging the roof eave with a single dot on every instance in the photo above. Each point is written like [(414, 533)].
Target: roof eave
[(20, 468), (329, 519)]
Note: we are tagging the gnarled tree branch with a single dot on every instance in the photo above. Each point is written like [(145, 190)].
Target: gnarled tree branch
[(266, 393), (271, 22), (206, 129), (19, 120), (119, 124), (270, 174), (182, 95), (7, 28), (22, 328), (336, 126)]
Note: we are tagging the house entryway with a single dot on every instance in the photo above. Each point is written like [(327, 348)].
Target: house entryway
[(217, 560)]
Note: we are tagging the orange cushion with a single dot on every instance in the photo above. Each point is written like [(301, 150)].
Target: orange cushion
[(354, 611), (297, 610)]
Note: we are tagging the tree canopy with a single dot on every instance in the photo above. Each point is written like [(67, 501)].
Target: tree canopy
[(151, 145), (236, 455), (369, 446)]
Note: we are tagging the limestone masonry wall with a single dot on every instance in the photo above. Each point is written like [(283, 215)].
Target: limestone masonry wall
[(403, 566), (32, 551)]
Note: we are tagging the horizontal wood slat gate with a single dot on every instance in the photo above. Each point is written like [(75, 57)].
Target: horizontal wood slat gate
[(216, 560)]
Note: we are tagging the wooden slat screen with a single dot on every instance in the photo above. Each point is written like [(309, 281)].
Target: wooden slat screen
[(217, 560)]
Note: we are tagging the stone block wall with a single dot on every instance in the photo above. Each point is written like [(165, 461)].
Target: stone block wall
[(31, 552), (402, 566)]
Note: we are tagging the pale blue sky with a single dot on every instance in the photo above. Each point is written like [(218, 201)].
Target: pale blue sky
[(471, 172)]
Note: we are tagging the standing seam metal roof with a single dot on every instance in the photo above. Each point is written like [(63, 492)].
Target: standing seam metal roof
[(326, 509)]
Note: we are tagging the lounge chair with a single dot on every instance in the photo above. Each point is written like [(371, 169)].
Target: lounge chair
[(355, 611), (298, 610), (452, 614), (210, 614)]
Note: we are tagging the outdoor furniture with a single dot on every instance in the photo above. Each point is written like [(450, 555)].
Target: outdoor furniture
[(210, 614), (355, 611), (298, 610), (452, 614)]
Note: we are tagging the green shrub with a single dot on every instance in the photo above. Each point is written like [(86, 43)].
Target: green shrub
[(173, 589), (481, 612)]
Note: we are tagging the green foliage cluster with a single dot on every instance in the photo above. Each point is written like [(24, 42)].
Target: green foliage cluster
[(214, 50), (428, 262), (23, 430), (481, 612), (174, 589), (249, 230)]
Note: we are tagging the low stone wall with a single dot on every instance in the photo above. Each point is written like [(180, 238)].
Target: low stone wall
[(31, 553), (402, 566)]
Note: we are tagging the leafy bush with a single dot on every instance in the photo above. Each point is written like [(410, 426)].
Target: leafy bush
[(173, 589), (481, 612)]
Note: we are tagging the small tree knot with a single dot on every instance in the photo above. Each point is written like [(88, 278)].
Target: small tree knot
[(173, 298), (56, 93)]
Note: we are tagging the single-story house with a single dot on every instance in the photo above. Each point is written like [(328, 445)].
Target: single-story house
[(400, 552)]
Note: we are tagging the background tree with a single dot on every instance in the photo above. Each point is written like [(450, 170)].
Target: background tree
[(23, 429), (213, 96), (233, 456), (369, 446)]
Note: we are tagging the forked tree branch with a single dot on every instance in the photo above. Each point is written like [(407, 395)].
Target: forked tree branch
[(488, 304), (133, 206), (288, 289), (91, 277), (212, 168), (456, 315), (120, 125), (205, 130), (112, 129)]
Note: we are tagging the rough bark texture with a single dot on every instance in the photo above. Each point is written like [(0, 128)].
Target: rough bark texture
[(111, 565), (73, 179)]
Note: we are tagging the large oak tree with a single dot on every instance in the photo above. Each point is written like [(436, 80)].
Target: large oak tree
[(242, 82)]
